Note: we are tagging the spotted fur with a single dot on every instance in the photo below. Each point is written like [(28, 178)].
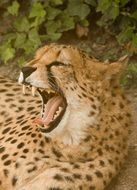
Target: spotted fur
[(92, 146)]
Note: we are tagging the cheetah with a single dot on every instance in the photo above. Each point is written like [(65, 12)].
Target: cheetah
[(79, 139)]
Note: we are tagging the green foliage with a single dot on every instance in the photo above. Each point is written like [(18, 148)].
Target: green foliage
[(14, 8), (7, 52), (39, 21), (34, 22), (122, 14), (78, 8), (130, 76)]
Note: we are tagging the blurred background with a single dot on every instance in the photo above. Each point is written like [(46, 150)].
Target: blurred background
[(105, 29)]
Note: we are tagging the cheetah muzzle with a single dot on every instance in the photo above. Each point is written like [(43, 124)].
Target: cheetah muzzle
[(53, 103)]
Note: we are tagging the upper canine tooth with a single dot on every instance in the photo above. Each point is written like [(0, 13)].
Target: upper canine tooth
[(50, 91), (24, 89), (33, 90)]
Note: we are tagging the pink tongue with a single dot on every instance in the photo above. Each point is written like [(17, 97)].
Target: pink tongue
[(50, 109)]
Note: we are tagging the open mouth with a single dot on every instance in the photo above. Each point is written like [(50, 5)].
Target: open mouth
[(53, 108)]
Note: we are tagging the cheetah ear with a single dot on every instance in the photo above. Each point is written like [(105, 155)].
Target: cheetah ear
[(116, 69)]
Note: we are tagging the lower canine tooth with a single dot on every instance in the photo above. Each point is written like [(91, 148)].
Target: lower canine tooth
[(24, 89), (33, 90)]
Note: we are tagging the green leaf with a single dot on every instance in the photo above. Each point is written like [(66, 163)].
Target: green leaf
[(78, 8), (6, 52), (133, 68), (124, 2), (93, 3), (56, 2), (52, 13), (52, 26), (109, 8), (20, 40), (134, 40), (34, 38), (67, 22), (33, 41), (44, 37), (21, 61), (9, 37), (114, 11), (109, 14), (22, 24), (134, 15), (37, 10), (54, 36), (125, 35), (103, 5), (14, 8), (84, 22), (37, 22), (28, 48)]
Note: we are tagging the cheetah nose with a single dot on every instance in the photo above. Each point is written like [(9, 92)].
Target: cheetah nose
[(27, 71)]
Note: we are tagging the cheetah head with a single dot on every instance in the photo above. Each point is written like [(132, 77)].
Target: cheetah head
[(70, 85)]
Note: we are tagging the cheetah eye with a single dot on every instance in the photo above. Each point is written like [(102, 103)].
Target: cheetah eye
[(57, 63)]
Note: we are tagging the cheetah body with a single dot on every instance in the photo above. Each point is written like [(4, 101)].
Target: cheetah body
[(89, 145)]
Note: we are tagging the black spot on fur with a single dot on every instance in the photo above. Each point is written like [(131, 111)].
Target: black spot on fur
[(88, 177), (55, 188), (9, 139), (77, 176), (6, 130), (6, 172), (4, 156), (56, 152), (76, 166), (8, 162), (2, 149), (100, 152), (30, 108), (41, 151), (17, 165), (69, 179), (13, 141), (26, 150), (14, 180), (32, 169), (92, 188), (99, 174), (20, 145), (3, 90), (87, 138), (102, 163), (64, 169), (58, 177)]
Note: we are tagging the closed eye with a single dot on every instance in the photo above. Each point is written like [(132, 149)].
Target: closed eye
[(55, 63), (51, 77)]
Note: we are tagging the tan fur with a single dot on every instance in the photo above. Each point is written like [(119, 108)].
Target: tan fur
[(88, 147)]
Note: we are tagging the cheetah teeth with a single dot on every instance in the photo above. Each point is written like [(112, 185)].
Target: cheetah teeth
[(24, 89), (33, 90), (50, 91), (58, 112)]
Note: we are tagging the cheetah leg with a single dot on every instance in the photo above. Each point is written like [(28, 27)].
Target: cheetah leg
[(93, 175)]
